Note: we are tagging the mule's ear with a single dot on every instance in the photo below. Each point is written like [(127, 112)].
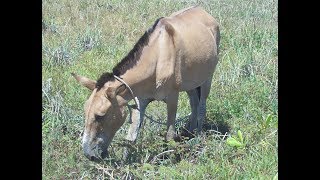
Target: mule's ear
[(113, 91), (88, 83)]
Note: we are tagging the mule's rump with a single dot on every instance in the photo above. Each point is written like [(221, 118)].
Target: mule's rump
[(195, 42)]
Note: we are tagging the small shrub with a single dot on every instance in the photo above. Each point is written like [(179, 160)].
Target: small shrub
[(237, 142), (265, 123)]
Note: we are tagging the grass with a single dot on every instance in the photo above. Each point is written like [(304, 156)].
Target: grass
[(89, 37)]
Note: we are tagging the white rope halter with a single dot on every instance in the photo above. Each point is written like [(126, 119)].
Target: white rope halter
[(134, 97)]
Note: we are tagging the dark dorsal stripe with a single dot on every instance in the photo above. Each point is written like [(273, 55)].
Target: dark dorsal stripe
[(130, 60)]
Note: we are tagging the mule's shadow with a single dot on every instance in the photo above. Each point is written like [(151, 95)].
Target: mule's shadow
[(210, 126), (216, 126)]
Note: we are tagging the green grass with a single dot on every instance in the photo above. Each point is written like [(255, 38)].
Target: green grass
[(89, 37)]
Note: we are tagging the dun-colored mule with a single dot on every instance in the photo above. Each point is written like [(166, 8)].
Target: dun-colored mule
[(178, 53)]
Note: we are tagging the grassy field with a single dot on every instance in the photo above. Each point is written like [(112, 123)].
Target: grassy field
[(89, 37)]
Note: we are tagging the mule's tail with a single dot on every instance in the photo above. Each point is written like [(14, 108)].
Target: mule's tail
[(216, 35)]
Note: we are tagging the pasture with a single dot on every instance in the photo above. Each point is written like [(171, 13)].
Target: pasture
[(240, 139)]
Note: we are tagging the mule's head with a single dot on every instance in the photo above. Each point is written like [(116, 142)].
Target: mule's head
[(104, 115)]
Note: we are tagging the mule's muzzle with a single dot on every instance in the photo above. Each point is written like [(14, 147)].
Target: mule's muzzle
[(94, 154)]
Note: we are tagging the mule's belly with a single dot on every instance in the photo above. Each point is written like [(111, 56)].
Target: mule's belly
[(191, 78)]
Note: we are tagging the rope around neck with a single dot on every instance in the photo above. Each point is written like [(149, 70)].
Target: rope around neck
[(134, 97)]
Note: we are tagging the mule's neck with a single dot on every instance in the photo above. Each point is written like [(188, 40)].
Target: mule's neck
[(141, 77)]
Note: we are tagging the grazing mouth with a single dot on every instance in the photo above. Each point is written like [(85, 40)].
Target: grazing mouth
[(95, 153), (104, 154), (97, 158)]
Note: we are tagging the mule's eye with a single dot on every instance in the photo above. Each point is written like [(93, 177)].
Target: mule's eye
[(98, 118)]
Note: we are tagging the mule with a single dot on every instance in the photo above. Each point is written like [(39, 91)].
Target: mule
[(178, 53)]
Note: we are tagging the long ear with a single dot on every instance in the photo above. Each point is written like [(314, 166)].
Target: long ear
[(88, 83), (113, 91)]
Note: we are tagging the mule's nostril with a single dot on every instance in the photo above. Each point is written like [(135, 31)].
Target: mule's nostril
[(92, 158), (104, 154)]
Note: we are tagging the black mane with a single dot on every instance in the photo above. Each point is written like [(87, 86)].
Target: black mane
[(105, 77), (130, 60)]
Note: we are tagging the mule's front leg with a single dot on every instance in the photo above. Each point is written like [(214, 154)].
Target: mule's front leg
[(137, 119), (135, 122), (172, 102)]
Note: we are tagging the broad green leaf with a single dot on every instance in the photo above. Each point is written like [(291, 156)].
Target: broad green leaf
[(233, 142)]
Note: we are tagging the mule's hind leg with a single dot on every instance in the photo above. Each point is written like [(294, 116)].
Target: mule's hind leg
[(194, 97), (204, 92)]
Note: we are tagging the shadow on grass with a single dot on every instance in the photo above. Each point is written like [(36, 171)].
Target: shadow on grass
[(210, 126), (220, 126)]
